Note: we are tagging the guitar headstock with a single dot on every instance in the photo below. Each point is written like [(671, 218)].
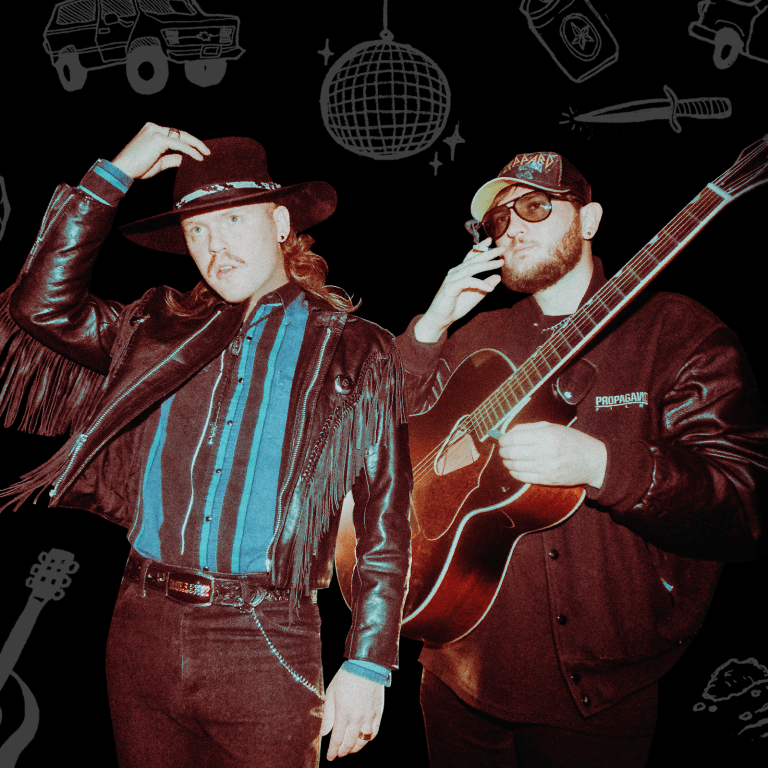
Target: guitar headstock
[(748, 172), (50, 577)]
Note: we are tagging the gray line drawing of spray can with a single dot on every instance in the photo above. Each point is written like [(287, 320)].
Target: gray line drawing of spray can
[(576, 36)]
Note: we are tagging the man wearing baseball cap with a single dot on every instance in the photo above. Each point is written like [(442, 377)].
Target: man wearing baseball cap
[(669, 445), (223, 428)]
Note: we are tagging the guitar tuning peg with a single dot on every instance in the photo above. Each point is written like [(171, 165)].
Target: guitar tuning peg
[(73, 567), (58, 594), (34, 569)]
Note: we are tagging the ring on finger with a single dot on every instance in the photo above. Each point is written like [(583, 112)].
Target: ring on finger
[(365, 736), (172, 131)]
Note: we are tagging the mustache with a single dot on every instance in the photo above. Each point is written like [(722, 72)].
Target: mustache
[(229, 256)]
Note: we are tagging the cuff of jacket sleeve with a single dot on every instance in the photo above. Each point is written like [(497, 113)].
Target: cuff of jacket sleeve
[(419, 357), (106, 182), (369, 671), (628, 475)]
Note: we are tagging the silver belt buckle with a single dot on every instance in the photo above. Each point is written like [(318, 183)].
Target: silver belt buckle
[(189, 589)]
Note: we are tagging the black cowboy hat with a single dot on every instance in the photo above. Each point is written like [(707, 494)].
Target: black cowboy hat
[(235, 173)]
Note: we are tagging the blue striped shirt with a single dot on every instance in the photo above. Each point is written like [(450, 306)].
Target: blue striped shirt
[(209, 493)]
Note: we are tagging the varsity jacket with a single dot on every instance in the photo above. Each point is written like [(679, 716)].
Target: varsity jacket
[(97, 369), (630, 575)]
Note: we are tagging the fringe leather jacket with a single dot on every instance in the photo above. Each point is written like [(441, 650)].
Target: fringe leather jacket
[(96, 368)]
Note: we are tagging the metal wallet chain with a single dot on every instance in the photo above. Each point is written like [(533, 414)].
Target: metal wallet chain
[(249, 608)]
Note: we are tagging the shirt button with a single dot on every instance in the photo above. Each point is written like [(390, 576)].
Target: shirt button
[(218, 471), (230, 422), (575, 677), (561, 619), (206, 568), (240, 380), (208, 518), (553, 554)]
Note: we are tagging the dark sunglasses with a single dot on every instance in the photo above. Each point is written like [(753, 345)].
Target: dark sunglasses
[(532, 206)]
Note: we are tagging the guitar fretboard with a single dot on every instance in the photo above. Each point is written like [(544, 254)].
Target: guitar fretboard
[(572, 335)]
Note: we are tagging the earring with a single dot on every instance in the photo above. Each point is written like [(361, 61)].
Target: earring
[(281, 238)]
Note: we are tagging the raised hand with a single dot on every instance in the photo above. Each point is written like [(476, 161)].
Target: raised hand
[(145, 154), (460, 292)]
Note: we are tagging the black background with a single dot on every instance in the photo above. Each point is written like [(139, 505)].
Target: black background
[(397, 229)]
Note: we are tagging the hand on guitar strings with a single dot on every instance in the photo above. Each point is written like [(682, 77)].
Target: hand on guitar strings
[(460, 292), (551, 454)]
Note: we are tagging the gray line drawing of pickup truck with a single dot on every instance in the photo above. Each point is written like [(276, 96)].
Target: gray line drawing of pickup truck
[(144, 35), (734, 27)]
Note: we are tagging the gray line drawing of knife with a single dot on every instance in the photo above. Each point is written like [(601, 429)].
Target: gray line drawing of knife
[(671, 109)]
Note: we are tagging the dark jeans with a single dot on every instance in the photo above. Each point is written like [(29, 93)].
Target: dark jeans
[(460, 736), (200, 686)]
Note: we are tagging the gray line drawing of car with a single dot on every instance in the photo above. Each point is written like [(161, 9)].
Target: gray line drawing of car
[(144, 35), (734, 27)]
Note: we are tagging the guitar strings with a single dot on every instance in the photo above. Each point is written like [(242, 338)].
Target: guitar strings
[(561, 336), (581, 321), (647, 256)]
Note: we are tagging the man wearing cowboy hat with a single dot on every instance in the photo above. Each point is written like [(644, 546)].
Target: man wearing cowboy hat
[(223, 428), (668, 443)]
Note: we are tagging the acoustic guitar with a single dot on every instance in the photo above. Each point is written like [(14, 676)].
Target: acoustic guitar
[(48, 579), (467, 513)]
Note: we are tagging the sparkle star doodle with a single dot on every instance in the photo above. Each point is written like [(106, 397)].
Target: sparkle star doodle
[(575, 35)]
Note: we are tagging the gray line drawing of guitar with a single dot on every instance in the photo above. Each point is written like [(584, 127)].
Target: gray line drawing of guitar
[(48, 579)]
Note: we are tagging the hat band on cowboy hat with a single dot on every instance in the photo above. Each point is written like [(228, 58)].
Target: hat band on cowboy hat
[(213, 188), (547, 171), (235, 173)]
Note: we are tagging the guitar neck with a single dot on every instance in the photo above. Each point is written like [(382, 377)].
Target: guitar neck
[(16, 641), (584, 324)]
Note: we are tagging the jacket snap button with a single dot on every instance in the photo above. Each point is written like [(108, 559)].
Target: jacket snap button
[(585, 699), (561, 619), (575, 677), (554, 554), (343, 384)]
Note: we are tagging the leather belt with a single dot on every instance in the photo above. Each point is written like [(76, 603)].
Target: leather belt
[(197, 588)]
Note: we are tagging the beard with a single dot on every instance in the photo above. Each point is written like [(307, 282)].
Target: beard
[(559, 262)]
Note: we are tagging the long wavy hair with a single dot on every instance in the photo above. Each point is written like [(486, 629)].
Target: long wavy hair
[(302, 266)]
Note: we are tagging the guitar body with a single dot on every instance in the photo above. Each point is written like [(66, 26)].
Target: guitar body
[(467, 512)]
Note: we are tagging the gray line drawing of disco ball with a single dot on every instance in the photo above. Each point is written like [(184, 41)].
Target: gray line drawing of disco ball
[(385, 100)]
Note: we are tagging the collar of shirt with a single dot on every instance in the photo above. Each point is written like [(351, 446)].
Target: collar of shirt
[(286, 294)]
